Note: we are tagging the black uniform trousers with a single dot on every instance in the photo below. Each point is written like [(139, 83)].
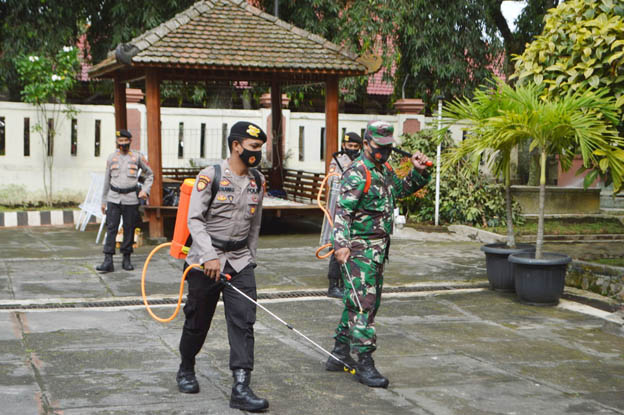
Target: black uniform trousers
[(130, 215), (240, 315)]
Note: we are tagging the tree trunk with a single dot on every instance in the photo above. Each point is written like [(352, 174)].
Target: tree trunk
[(540, 215), (511, 239)]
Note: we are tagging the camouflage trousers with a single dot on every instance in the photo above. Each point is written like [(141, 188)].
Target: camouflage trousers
[(357, 327)]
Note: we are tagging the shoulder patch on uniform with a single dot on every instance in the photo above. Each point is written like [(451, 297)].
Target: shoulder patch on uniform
[(201, 185), (202, 182)]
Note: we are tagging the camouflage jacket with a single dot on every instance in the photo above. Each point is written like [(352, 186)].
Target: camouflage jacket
[(363, 220)]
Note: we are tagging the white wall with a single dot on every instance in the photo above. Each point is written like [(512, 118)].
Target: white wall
[(21, 177), (312, 124)]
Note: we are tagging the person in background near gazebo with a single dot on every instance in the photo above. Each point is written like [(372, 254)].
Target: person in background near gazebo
[(224, 217), (120, 198), (351, 147), (369, 189)]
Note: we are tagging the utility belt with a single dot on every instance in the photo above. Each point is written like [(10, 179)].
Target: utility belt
[(227, 246), (124, 190)]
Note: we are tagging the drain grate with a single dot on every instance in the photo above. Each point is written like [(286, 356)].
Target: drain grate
[(261, 296)]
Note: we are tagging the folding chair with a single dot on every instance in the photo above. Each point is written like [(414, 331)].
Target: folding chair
[(92, 205)]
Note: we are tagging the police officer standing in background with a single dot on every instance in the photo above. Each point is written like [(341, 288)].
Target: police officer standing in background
[(224, 222), (368, 193), (351, 147), (120, 199)]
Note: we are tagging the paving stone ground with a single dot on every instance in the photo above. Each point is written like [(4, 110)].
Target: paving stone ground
[(463, 351)]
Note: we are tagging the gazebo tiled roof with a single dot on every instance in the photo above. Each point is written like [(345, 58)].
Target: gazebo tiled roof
[(231, 34)]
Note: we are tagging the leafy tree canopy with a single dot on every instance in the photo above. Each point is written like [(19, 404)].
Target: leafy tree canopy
[(581, 47), (445, 46)]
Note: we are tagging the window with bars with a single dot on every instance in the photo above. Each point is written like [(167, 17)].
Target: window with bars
[(98, 132), (26, 137), (202, 140), (322, 143), (50, 137), (181, 140), (2, 136), (301, 143), (224, 144), (74, 137)]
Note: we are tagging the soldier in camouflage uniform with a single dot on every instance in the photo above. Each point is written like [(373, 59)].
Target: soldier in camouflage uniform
[(361, 238), (351, 148)]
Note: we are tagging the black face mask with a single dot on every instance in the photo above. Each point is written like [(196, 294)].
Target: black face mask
[(124, 147), (352, 153), (381, 154), (251, 158)]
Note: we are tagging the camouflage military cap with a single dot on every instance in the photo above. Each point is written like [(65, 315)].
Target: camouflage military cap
[(381, 132)]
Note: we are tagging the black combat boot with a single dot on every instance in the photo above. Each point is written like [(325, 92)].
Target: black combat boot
[(126, 264), (107, 265), (187, 382), (242, 395), (334, 289), (367, 373), (341, 351)]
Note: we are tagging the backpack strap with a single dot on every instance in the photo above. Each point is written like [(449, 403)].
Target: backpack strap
[(214, 189), (256, 175), (368, 179)]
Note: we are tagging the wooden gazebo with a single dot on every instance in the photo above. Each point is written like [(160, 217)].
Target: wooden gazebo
[(226, 40)]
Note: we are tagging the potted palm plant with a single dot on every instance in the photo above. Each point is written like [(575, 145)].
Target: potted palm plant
[(481, 145), (581, 120)]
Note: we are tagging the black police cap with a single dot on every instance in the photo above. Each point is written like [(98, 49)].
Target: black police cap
[(243, 129), (352, 138), (123, 133)]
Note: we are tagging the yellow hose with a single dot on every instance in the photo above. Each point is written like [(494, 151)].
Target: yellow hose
[(181, 293), (327, 215)]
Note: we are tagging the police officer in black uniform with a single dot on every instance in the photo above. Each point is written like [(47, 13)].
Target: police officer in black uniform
[(120, 198), (224, 221)]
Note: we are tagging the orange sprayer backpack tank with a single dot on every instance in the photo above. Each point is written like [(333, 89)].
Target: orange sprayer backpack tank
[(181, 232)]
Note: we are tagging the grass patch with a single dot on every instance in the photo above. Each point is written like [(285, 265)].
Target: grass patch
[(565, 227), (616, 262)]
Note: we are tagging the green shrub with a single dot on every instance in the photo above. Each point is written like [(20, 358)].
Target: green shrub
[(465, 196)]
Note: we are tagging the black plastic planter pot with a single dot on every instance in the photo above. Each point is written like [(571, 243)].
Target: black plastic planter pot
[(539, 281), (499, 270)]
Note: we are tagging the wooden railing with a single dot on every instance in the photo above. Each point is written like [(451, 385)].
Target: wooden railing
[(299, 185)]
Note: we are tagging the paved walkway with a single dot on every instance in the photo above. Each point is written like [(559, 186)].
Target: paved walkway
[(466, 350)]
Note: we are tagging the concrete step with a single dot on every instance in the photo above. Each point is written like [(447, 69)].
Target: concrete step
[(609, 202)]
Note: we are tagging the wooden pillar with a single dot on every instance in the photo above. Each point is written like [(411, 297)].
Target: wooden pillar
[(121, 117), (331, 120), (154, 150), (277, 170)]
